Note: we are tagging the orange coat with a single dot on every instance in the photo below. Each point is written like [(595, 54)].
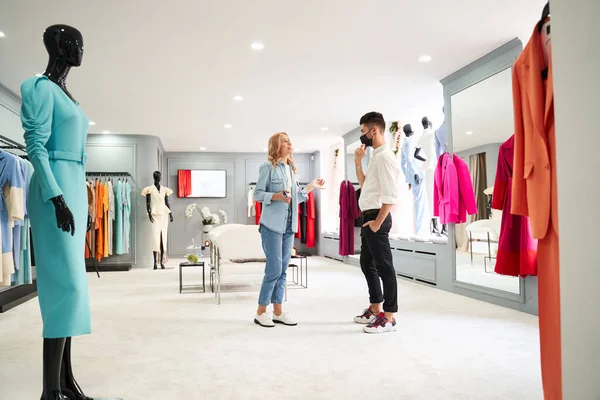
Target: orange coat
[(534, 191)]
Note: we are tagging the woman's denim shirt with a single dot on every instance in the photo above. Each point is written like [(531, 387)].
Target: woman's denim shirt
[(271, 180)]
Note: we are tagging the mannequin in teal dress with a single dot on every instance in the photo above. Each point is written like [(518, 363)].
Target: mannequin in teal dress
[(55, 137)]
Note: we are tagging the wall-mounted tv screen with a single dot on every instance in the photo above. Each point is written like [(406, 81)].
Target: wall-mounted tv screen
[(202, 183)]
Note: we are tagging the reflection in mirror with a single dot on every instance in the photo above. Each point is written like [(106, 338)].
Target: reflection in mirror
[(482, 128)]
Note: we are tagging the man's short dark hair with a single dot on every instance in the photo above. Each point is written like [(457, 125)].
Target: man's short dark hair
[(373, 119)]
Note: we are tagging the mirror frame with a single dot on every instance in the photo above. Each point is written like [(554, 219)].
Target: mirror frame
[(489, 65)]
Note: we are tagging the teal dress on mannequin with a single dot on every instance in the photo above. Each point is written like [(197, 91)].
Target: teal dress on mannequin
[(55, 136)]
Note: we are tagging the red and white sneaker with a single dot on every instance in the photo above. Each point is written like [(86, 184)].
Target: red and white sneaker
[(366, 317), (381, 325)]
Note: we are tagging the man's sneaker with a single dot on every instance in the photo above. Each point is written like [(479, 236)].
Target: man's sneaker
[(264, 320), (284, 319), (381, 325), (366, 317)]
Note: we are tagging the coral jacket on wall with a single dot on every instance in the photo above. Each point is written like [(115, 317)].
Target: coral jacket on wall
[(534, 194)]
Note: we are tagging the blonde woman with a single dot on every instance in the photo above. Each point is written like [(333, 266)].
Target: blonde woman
[(280, 194)]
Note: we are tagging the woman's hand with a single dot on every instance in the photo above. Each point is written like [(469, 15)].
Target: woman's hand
[(318, 183), (282, 197)]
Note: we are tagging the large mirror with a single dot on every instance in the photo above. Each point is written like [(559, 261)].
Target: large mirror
[(482, 129)]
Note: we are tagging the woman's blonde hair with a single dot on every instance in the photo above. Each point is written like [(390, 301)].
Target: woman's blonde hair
[(275, 150)]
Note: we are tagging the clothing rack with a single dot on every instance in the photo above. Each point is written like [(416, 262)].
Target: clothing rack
[(117, 262), (12, 296), (299, 183)]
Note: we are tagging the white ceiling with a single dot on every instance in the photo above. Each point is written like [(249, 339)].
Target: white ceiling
[(172, 68), (486, 110)]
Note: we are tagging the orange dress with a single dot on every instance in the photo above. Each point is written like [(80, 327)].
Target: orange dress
[(534, 194), (105, 217), (99, 222)]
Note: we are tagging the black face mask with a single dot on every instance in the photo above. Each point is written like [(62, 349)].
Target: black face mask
[(366, 141)]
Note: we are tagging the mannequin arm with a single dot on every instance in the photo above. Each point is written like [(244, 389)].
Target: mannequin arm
[(64, 216), (169, 207), (418, 155), (149, 208)]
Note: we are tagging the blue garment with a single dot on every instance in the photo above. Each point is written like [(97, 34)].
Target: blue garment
[(55, 137), (12, 211), (422, 217), (23, 274), (440, 140), (278, 251), (119, 218), (271, 180), (127, 214), (410, 165)]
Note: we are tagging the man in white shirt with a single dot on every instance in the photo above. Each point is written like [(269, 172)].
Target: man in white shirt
[(379, 191)]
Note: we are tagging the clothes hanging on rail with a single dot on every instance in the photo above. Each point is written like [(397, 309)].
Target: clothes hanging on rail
[(111, 218), (311, 216), (348, 213), (453, 195), (105, 205), (23, 274), (119, 217), (258, 208), (250, 203)]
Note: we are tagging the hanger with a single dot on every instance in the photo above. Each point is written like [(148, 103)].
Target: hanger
[(545, 14)]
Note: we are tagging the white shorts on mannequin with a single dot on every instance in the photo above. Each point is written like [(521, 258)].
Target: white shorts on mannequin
[(160, 225)]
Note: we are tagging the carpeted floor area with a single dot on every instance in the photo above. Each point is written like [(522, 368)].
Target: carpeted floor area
[(152, 343)]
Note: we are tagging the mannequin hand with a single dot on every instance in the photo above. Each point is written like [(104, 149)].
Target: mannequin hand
[(89, 223), (64, 216), (171, 217), (359, 153), (373, 225), (150, 216), (409, 186)]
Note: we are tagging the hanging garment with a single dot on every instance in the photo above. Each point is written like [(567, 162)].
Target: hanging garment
[(348, 213), (16, 210), (90, 199), (422, 216), (440, 140), (534, 195), (517, 249), (257, 207), (184, 182), (111, 218), (55, 136), (298, 234), (453, 195), (427, 143), (311, 216), (119, 218), (99, 220), (92, 233), (127, 217), (105, 205), (24, 275), (250, 203), (12, 209), (160, 214)]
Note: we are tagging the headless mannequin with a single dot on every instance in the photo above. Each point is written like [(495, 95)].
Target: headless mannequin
[(157, 177), (65, 50), (412, 167), (408, 132)]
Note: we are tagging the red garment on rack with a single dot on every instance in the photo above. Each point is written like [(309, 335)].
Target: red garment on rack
[(311, 237), (348, 213), (184, 182), (298, 234), (257, 206)]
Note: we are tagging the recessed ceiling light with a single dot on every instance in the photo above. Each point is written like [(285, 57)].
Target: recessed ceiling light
[(468, 132), (2, 34), (238, 98), (257, 46), (105, 132), (425, 58), (92, 123), (202, 148), (227, 126), (324, 129)]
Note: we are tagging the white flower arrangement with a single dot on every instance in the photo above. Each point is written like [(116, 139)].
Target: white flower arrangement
[(208, 218), (223, 215), (189, 211)]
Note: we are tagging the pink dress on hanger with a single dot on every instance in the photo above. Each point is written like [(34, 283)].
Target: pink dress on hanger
[(517, 249), (348, 213)]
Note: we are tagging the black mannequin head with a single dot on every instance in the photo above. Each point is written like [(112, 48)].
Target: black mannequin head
[(64, 44), (426, 123), (157, 176), (407, 130)]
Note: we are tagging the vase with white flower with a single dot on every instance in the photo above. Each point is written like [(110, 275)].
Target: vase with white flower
[(208, 219)]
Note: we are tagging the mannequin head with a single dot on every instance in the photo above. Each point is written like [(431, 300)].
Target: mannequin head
[(407, 130), (64, 44), (426, 123), (157, 176)]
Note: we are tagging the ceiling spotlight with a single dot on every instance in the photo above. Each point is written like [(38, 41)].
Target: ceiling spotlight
[(105, 132), (469, 133), (2, 34), (324, 129), (257, 46), (92, 123), (425, 58), (202, 148), (227, 126), (238, 98)]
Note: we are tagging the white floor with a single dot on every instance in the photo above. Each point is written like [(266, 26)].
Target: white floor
[(152, 343)]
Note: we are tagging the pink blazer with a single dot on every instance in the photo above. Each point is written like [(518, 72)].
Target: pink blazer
[(453, 195)]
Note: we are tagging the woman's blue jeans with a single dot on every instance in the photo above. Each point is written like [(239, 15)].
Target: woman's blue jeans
[(278, 251)]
